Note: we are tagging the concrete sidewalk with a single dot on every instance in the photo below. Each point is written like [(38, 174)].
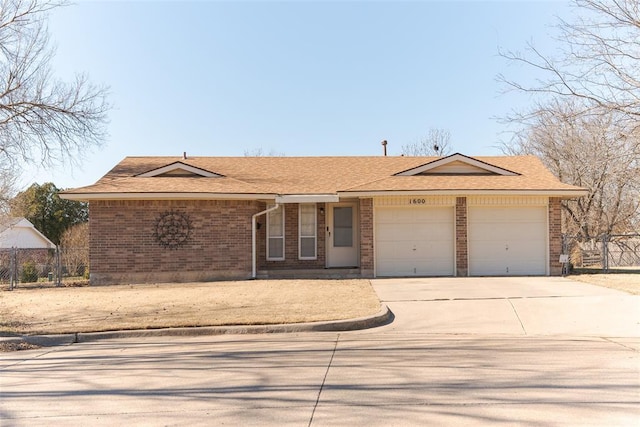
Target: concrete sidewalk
[(509, 305), (324, 379)]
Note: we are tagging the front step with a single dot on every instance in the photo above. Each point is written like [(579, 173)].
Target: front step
[(319, 273)]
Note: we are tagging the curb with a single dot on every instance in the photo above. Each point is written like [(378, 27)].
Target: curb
[(383, 317)]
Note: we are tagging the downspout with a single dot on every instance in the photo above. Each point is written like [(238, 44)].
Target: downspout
[(253, 238)]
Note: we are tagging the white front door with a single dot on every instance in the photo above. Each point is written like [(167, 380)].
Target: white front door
[(342, 235)]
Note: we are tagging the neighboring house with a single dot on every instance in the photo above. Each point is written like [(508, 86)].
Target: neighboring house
[(161, 219), (20, 233)]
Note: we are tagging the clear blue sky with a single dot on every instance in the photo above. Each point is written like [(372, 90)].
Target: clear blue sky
[(303, 78)]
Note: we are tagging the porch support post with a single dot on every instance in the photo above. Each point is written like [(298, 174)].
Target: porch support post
[(253, 238)]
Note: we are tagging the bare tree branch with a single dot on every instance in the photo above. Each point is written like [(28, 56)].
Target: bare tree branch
[(600, 63), (436, 143), (584, 125), (43, 120), (597, 152)]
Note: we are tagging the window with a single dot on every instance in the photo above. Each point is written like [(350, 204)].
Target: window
[(307, 228), (343, 227), (275, 234)]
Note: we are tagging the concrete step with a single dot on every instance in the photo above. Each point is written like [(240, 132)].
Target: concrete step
[(320, 273)]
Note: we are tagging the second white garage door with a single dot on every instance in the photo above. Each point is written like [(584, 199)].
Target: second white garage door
[(414, 241), (506, 241)]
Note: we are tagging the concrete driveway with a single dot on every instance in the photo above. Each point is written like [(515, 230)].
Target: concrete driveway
[(472, 352), (509, 305)]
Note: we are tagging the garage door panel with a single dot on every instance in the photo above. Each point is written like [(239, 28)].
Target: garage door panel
[(530, 232), (441, 232), (429, 251), (487, 248), (437, 231), (525, 269), (414, 241), (395, 233), (507, 240), (404, 267), (393, 250), (524, 250)]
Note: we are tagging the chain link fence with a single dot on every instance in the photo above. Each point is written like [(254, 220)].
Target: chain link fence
[(22, 267), (606, 253)]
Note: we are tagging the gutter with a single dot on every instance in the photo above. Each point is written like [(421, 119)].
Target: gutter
[(87, 197), (253, 238), (466, 192)]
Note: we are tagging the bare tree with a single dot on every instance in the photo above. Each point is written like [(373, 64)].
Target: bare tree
[(43, 120), (7, 188), (593, 151), (259, 152), (599, 60), (75, 249), (584, 125), (436, 143)]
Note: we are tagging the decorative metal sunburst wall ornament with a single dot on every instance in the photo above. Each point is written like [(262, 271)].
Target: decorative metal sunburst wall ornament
[(172, 229)]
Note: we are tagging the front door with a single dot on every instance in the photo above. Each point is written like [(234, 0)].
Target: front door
[(342, 235)]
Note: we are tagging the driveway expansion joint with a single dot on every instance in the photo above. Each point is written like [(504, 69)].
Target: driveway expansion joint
[(324, 379)]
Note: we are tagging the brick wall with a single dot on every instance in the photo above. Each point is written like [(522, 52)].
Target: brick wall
[(462, 258), (124, 249), (555, 236), (366, 237)]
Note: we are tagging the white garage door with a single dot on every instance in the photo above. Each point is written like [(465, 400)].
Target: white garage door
[(506, 241), (414, 241)]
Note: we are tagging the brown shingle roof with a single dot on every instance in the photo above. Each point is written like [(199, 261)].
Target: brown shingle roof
[(268, 176)]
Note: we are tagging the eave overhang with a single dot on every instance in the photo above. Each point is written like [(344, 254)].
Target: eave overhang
[(166, 196), (568, 194), (314, 198), (282, 199), (307, 198)]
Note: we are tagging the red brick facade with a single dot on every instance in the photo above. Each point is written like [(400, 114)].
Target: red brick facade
[(462, 256), (125, 246), (555, 236), (125, 249), (366, 238)]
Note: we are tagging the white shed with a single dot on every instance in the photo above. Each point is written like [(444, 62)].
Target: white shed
[(20, 233)]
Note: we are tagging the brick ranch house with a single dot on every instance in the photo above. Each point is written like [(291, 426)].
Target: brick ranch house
[(166, 219)]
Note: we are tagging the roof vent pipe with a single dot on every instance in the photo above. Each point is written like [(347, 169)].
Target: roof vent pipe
[(184, 155), (384, 146)]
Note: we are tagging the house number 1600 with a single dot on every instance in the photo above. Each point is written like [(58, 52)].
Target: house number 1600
[(417, 201)]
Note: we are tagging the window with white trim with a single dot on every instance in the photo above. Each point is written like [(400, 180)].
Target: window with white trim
[(307, 231), (275, 234)]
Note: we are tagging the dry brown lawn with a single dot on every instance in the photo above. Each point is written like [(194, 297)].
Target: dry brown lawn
[(53, 310), (256, 302), (627, 282)]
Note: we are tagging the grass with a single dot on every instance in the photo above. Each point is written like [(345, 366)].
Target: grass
[(55, 310), (46, 309), (623, 281)]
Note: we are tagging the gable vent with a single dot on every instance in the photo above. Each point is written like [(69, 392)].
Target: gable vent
[(457, 164), (179, 170)]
